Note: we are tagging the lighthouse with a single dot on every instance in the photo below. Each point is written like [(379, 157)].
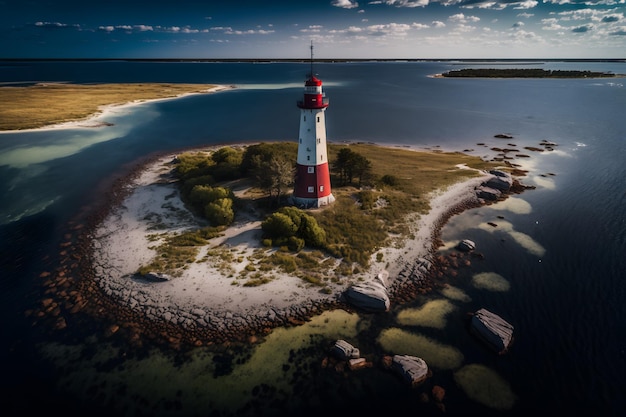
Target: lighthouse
[(312, 181)]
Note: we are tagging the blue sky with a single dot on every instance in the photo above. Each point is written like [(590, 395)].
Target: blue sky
[(420, 29)]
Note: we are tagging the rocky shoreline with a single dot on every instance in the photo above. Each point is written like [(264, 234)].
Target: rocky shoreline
[(73, 291)]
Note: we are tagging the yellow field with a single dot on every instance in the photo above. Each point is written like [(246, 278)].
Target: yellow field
[(44, 104)]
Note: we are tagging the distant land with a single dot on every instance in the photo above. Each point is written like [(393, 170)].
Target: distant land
[(477, 61), (524, 73)]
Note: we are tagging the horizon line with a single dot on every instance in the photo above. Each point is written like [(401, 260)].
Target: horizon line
[(307, 60)]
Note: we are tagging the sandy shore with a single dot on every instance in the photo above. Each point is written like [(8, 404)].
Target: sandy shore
[(204, 297), (98, 119)]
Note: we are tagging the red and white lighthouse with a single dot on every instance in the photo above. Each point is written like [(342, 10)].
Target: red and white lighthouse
[(312, 182)]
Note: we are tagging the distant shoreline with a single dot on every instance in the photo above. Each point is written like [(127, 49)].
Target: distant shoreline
[(318, 60), (524, 73)]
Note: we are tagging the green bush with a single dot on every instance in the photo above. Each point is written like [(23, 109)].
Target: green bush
[(220, 212), (279, 225)]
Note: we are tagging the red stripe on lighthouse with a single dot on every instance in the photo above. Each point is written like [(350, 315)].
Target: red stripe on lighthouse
[(314, 184)]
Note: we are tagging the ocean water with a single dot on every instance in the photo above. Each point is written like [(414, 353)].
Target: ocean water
[(553, 260)]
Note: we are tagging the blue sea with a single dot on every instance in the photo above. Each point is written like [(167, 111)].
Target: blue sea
[(553, 261)]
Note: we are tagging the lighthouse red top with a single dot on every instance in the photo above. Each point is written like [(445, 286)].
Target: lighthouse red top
[(313, 81), (314, 97)]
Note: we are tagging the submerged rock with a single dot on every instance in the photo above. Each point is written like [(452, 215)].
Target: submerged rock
[(492, 329), (412, 369), (466, 245)]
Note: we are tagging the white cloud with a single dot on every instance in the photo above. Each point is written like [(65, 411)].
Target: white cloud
[(438, 24), (345, 4), (312, 29), (407, 3), (461, 18)]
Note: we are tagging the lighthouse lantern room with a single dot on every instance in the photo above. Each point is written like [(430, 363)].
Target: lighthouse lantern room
[(312, 181)]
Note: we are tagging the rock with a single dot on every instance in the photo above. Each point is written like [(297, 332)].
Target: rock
[(358, 363), (487, 193), (370, 296), (343, 350), (438, 393), (499, 183), (492, 329), (411, 368), (156, 277), (466, 245)]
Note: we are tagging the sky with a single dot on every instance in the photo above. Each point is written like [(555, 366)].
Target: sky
[(274, 29)]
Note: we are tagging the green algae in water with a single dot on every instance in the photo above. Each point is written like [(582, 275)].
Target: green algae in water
[(455, 293), (159, 384), (431, 314), (400, 342), (485, 386), (491, 281)]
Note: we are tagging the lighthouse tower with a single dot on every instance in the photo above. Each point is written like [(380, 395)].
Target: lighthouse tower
[(312, 182)]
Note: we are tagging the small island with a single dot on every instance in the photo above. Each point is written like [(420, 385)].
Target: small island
[(203, 244), (523, 73)]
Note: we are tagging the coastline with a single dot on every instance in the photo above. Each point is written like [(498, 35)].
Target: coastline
[(97, 119), (204, 305)]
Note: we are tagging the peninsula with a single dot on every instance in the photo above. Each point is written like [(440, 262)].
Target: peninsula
[(64, 105)]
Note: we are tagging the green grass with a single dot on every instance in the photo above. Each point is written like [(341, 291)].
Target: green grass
[(358, 224), (47, 104)]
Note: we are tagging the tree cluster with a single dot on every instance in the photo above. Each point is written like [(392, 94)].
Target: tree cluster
[(523, 73), (271, 169), (199, 174), (350, 166)]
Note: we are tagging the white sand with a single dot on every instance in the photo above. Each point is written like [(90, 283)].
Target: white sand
[(122, 246)]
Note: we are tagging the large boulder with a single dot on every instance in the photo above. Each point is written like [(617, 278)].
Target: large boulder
[(500, 181), (412, 369), (487, 193), (369, 296)]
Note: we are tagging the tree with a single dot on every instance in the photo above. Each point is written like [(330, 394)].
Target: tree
[(350, 164), (227, 163), (361, 168), (274, 174)]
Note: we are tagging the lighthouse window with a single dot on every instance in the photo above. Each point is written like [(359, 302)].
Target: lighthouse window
[(308, 157), (321, 157), (304, 118), (310, 189), (321, 188), (318, 119), (311, 170), (319, 140)]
